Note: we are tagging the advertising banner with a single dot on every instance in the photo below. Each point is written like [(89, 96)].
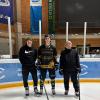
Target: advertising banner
[(6, 10), (35, 15), (51, 16), (10, 71)]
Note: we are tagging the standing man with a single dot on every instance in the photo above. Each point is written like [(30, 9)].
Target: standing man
[(47, 56), (27, 57), (70, 67)]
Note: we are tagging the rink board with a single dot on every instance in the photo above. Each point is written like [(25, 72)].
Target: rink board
[(10, 71)]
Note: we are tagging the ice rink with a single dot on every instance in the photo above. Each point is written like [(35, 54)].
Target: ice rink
[(89, 91)]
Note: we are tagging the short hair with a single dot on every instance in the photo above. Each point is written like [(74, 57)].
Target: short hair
[(47, 35)]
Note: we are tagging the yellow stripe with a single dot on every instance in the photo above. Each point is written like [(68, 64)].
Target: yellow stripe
[(10, 85)]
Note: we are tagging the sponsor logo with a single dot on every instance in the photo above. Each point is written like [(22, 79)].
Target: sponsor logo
[(84, 69), (3, 16), (35, 0), (28, 51), (19, 72), (4, 3), (2, 76)]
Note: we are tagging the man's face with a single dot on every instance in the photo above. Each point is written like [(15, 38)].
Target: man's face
[(47, 40), (29, 43), (68, 45)]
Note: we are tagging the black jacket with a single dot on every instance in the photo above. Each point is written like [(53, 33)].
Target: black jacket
[(69, 60), (27, 55)]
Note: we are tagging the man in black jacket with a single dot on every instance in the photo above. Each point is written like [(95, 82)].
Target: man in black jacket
[(70, 66), (27, 57), (47, 56)]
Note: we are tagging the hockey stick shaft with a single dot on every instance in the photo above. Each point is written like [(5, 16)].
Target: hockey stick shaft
[(46, 92), (79, 85), (45, 89)]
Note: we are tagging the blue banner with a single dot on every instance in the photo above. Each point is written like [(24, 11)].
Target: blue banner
[(11, 72), (35, 15), (90, 69), (6, 10)]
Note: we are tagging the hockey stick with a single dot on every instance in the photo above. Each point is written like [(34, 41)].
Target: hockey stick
[(78, 75), (45, 89), (38, 65), (46, 92)]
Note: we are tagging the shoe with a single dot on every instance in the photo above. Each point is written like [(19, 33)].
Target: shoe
[(77, 94), (53, 92), (41, 91), (27, 91), (66, 92)]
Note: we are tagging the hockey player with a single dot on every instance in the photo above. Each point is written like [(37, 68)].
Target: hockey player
[(27, 57), (70, 67), (47, 56)]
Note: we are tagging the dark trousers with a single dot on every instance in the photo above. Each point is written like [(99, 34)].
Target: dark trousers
[(43, 76), (73, 76), (25, 73)]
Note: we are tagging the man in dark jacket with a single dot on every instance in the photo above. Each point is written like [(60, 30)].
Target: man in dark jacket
[(70, 66), (27, 57), (47, 56)]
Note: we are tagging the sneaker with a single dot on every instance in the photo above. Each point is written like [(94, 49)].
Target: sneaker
[(77, 94), (66, 92), (41, 91), (53, 91), (27, 91)]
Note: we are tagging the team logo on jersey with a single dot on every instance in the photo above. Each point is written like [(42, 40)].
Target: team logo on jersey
[(4, 3)]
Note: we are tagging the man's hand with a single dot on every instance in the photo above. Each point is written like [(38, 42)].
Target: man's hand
[(56, 65), (78, 70), (61, 71)]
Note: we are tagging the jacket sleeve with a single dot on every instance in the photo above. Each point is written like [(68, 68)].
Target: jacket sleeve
[(39, 53), (61, 60), (35, 54), (55, 54), (78, 61), (21, 55)]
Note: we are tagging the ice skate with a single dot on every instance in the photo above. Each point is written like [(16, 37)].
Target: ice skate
[(27, 91), (53, 92), (41, 91), (36, 92)]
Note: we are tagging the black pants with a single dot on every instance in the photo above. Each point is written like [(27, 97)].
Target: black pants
[(74, 79), (25, 73), (43, 76)]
